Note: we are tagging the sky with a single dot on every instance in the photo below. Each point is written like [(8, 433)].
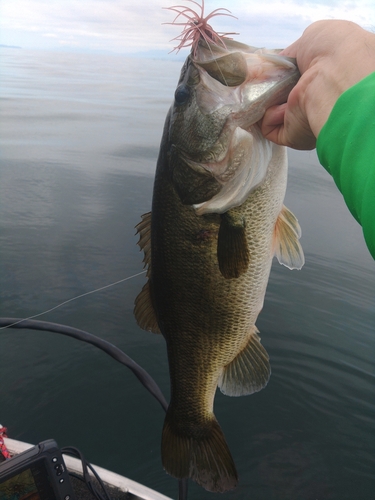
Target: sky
[(136, 26)]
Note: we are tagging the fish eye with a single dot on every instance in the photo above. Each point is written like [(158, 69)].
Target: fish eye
[(182, 95)]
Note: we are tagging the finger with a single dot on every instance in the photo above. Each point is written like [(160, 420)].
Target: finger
[(272, 123)]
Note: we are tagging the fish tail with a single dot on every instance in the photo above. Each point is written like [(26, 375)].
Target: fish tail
[(204, 457)]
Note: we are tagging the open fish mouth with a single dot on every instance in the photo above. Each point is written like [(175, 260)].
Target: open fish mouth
[(241, 85)]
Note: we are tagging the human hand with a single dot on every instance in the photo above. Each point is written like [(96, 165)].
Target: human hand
[(332, 56)]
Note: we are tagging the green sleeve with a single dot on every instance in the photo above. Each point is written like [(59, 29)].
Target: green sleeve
[(346, 149)]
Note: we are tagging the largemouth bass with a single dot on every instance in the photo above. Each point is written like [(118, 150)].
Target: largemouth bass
[(217, 220)]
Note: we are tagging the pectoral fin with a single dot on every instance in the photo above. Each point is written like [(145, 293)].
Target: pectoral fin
[(144, 311), (232, 249), (249, 371), (288, 249)]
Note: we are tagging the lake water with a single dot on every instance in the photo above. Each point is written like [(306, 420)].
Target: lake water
[(79, 140)]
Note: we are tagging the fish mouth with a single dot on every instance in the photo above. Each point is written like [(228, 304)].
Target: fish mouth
[(232, 90), (240, 156), (246, 90)]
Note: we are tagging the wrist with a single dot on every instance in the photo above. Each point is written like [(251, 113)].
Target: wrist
[(329, 76), (322, 89)]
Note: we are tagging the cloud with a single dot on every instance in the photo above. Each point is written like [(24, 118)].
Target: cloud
[(107, 24), (128, 26)]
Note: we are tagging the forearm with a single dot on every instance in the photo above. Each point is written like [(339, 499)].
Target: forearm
[(346, 148)]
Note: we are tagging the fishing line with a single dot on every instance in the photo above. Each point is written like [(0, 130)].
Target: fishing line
[(74, 298), (217, 64)]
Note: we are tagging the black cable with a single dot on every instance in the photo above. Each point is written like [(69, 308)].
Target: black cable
[(71, 450), (146, 380), (182, 489), (76, 476)]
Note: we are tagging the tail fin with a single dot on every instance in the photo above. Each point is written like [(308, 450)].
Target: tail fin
[(204, 457)]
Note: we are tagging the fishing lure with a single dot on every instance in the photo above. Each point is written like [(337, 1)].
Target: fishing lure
[(196, 27)]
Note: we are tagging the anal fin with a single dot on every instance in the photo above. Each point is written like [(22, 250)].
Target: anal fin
[(249, 372)]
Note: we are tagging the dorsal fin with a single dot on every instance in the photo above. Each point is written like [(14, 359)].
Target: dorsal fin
[(144, 242), (144, 311), (288, 249)]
